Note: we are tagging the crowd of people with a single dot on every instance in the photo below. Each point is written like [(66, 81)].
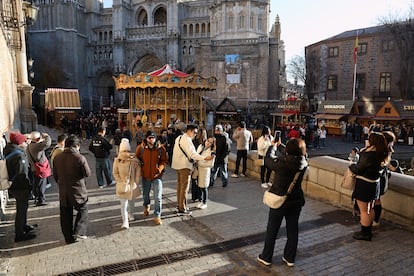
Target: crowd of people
[(198, 159)]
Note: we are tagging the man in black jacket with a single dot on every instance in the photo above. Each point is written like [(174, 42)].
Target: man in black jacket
[(101, 147), (222, 152), (18, 171)]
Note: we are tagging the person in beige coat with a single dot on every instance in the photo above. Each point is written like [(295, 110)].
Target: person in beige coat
[(125, 168)]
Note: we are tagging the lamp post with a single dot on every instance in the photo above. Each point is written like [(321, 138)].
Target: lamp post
[(28, 119)]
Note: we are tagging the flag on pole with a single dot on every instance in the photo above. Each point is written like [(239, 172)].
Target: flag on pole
[(356, 49)]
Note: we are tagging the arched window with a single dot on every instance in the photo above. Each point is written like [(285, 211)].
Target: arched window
[(142, 18), (184, 50), (203, 28), (197, 28), (241, 21), (160, 16), (191, 30), (185, 29), (230, 22)]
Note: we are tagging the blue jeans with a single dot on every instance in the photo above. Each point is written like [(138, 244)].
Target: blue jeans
[(291, 215), (103, 165), (223, 172), (157, 187)]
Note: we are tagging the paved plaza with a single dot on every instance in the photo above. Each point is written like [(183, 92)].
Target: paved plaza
[(223, 239)]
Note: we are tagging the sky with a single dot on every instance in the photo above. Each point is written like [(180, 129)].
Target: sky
[(305, 22)]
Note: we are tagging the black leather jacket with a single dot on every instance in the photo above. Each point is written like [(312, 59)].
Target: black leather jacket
[(367, 166)]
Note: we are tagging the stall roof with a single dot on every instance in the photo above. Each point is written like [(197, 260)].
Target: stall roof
[(329, 116), (61, 98)]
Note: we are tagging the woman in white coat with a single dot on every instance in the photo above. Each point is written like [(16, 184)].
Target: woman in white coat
[(204, 169), (127, 173)]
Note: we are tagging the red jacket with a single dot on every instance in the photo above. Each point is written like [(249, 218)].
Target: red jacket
[(152, 160)]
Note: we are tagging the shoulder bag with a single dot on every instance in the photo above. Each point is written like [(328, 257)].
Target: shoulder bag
[(348, 180), (273, 200)]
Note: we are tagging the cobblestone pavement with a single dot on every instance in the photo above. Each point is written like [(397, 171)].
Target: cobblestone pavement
[(223, 239)]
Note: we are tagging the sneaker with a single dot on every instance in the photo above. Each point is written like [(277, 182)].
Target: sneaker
[(375, 224), (184, 213), (131, 217), (102, 186), (125, 226), (146, 210), (203, 206), (264, 185), (158, 221), (82, 237), (269, 184), (113, 183), (263, 261), (234, 175), (242, 175), (289, 264), (199, 205)]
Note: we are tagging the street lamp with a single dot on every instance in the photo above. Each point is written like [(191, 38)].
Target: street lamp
[(31, 12)]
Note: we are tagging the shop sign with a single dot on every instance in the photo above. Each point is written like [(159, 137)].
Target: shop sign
[(334, 106), (408, 107)]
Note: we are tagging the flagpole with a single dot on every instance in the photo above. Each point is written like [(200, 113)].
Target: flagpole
[(355, 66), (353, 88)]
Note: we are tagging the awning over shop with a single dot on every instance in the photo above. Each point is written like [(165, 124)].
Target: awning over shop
[(329, 116), (336, 107), (62, 99)]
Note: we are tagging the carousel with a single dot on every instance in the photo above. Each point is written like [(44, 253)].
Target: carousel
[(163, 97)]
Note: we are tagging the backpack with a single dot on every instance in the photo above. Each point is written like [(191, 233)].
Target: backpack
[(5, 182)]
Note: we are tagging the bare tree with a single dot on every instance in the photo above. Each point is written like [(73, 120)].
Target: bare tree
[(297, 68), (403, 34)]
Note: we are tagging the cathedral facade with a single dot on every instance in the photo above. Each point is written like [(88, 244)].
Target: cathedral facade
[(80, 44)]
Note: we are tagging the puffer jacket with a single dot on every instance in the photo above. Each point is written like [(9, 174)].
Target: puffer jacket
[(285, 168), (17, 168), (153, 160), (120, 171)]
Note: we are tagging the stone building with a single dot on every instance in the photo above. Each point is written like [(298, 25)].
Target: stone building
[(79, 44), (365, 85)]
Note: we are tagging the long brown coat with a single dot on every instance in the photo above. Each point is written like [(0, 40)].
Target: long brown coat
[(70, 169)]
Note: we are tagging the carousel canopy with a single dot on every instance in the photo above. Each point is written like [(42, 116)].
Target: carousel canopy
[(165, 77), (166, 69)]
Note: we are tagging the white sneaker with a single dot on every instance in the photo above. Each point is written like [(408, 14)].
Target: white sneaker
[(113, 183), (289, 264), (234, 175), (125, 226), (242, 175), (131, 217), (199, 205), (203, 206), (269, 184), (82, 237), (264, 185)]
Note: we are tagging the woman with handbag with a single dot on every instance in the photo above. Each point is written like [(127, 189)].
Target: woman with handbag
[(127, 173), (263, 143), (367, 171), (286, 168)]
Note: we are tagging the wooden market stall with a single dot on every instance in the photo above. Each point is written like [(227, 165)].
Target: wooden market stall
[(61, 104), (332, 113), (164, 96)]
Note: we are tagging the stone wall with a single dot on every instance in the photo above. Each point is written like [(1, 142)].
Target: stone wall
[(323, 182)]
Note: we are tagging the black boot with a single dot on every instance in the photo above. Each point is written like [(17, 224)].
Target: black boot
[(365, 234), (378, 210)]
